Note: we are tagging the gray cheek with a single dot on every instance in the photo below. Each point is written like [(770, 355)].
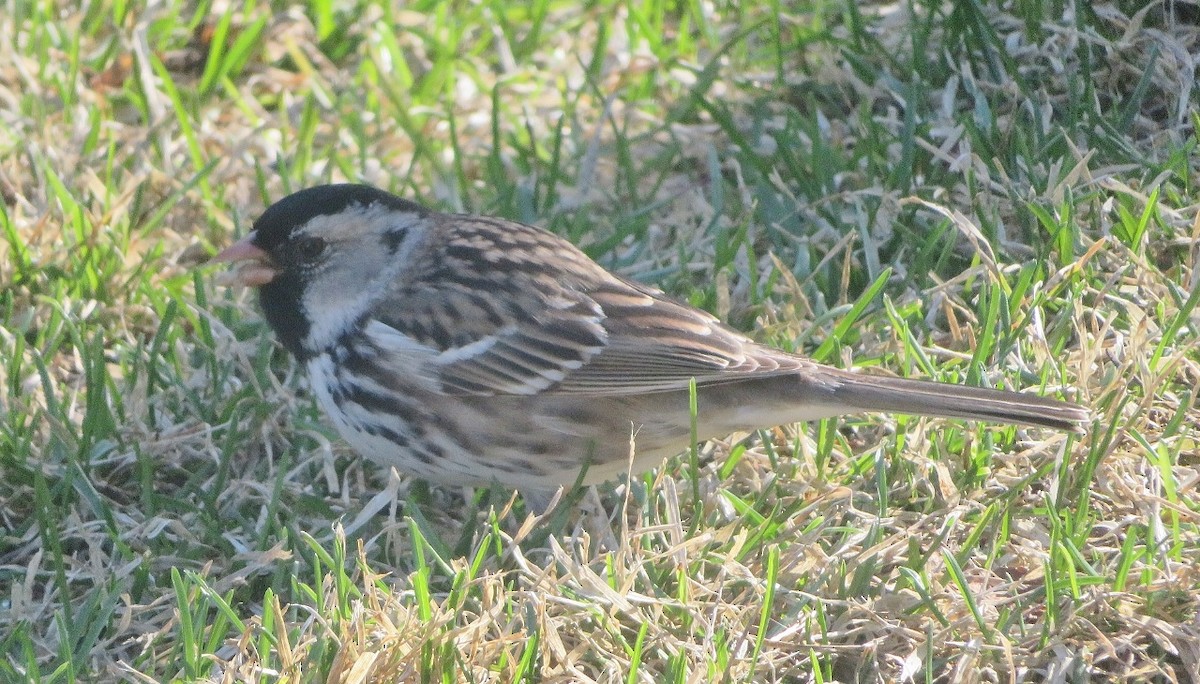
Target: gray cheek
[(337, 298), (350, 277), (333, 287)]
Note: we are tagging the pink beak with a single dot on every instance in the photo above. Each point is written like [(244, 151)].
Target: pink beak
[(254, 268)]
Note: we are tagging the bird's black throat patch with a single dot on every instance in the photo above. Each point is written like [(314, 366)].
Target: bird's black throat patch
[(280, 301)]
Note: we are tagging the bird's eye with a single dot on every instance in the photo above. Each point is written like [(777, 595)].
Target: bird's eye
[(309, 248)]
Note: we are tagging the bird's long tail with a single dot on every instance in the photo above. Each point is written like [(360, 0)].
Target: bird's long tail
[(922, 397)]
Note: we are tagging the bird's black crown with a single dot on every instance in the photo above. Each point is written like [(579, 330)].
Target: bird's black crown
[(280, 219)]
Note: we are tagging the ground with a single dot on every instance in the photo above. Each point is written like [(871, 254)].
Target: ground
[(992, 193)]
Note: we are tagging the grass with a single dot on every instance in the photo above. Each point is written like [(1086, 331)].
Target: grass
[(1000, 194)]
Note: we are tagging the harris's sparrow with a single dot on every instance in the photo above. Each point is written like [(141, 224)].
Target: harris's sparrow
[(476, 350)]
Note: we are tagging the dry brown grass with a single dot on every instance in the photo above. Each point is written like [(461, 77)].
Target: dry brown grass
[(171, 500)]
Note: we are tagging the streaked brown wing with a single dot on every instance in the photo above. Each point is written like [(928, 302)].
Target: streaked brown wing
[(656, 344), (514, 310)]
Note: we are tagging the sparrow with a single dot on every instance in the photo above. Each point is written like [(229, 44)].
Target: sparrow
[(474, 350)]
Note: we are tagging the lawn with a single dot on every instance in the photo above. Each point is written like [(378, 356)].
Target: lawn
[(1000, 194)]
